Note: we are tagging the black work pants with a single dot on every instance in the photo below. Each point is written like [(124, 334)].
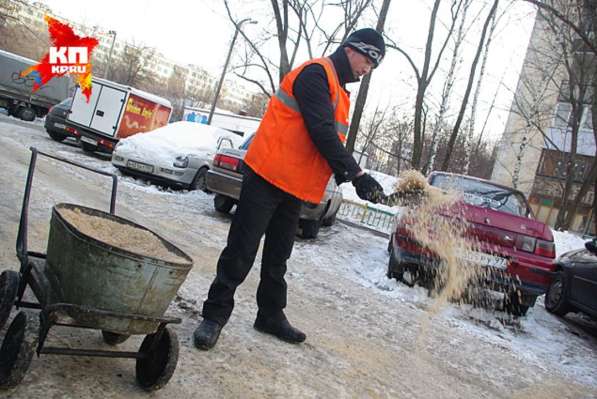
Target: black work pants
[(262, 209)]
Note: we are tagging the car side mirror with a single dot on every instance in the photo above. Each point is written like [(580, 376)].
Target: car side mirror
[(592, 245)]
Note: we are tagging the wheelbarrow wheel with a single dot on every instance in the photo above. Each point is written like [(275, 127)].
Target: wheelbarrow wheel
[(160, 351), (114, 338), (9, 287), (17, 349)]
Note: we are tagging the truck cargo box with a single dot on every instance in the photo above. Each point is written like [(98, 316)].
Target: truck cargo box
[(115, 111), (16, 92)]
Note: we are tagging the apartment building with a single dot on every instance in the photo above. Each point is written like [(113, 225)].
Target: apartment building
[(536, 144)]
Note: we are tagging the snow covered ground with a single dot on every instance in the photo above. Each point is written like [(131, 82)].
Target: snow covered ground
[(368, 336)]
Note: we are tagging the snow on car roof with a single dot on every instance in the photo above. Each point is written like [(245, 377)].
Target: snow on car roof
[(178, 138)]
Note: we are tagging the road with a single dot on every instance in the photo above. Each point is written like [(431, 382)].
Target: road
[(367, 336)]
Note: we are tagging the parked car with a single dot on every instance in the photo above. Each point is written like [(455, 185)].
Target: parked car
[(225, 179), (176, 155), (55, 123), (574, 286), (516, 250)]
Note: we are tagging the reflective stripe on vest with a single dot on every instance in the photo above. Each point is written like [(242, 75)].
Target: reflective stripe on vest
[(291, 103)]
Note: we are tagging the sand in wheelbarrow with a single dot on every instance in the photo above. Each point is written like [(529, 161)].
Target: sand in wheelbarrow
[(121, 235)]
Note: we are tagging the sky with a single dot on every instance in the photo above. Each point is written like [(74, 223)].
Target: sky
[(199, 32)]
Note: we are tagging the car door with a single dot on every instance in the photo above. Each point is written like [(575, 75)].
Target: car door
[(583, 287)]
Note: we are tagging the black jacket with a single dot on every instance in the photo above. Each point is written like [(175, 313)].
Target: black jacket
[(313, 97)]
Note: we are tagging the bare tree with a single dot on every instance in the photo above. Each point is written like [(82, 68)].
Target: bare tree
[(471, 124), (447, 88), (18, 37), (426, 73), (256, 104), (299, 23), (369, 132), (463, 106), (130, 66)]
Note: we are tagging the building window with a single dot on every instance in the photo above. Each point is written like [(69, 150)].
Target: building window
[(563, 111), (553, 164)]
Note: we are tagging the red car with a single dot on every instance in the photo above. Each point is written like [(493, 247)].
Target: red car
[(516, 251)]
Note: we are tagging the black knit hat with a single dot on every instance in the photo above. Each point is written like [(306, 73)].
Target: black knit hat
[(368, 42)]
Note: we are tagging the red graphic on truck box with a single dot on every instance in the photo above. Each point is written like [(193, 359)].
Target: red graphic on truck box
[(142, 115)]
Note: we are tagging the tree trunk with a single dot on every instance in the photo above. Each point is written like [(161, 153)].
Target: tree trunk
[(587, 185), (421, 88), (456, 129), (446, 93), (471, 127), (364, 87)]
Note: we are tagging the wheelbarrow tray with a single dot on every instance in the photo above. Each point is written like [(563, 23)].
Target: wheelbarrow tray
[(84, 316), (102, 286)]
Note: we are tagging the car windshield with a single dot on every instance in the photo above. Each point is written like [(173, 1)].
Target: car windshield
[(66, 102), (484, 194)]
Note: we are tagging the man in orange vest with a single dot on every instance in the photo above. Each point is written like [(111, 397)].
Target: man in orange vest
[(295, 151)]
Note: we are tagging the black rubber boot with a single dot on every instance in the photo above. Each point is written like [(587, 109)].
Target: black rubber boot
[(206, 334), (280, 328)]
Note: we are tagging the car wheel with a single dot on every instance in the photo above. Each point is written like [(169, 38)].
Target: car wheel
[(222, 203), (56, 136), (555, 297), (309, 228), (26, 114), (395, 269), (200, 180)]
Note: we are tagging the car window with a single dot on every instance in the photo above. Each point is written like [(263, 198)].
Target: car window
[(246, 143), (484, 194)]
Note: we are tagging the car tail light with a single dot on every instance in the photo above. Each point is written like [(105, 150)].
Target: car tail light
[(72, 130), (525, 243), (226, 162), (545, 248), (106, 143)]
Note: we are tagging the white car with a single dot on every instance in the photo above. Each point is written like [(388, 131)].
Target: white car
[(176, 155)]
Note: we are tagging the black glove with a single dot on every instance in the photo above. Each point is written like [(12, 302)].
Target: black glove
[(368, 188)]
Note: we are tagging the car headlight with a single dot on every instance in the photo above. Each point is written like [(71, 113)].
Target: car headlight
[(181, 161)]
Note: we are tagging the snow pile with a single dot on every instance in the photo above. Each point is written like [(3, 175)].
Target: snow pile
[(164, 144)]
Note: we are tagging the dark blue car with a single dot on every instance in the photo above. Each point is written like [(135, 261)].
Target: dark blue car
[(574, 287)]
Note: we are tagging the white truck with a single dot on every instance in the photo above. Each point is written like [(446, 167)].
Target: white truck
[(16, 92), (115, 111), (240, 124)]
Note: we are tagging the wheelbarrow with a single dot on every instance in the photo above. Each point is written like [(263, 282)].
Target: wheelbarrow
[(84, 282)]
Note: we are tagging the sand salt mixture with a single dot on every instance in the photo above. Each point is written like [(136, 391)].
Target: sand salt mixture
[(121, 235), (442, 232)]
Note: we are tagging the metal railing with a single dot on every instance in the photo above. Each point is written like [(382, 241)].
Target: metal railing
[(367, 215)]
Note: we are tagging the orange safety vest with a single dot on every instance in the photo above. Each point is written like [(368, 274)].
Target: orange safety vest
[(282, 151)]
